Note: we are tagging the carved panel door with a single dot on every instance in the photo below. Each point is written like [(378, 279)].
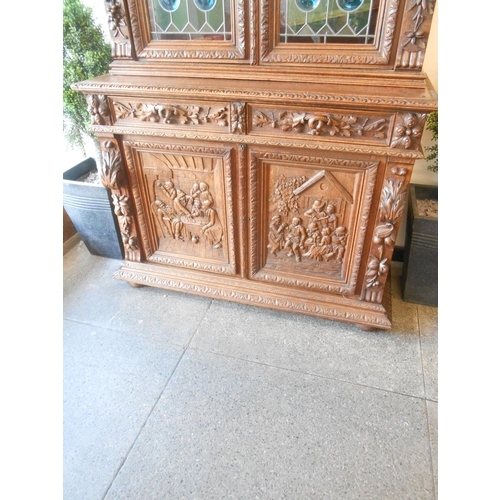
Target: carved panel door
[(184, 200), (309, 219)]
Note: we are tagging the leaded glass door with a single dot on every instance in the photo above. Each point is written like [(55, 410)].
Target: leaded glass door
[(190, 29), (331, 32), (190, 19), (328, 21)]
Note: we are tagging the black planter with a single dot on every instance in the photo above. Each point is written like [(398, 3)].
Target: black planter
[(90, 208), (420, 264)]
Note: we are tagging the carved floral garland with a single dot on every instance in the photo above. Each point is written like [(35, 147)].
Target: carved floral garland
[(118, 29), (392, 204), (111, 175), (415, 42), (322, 124), (172, 113)]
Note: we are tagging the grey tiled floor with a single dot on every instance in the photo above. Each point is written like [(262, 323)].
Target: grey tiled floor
[(172, 396)]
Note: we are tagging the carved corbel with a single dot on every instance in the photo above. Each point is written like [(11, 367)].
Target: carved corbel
[(98, 109), (119, 30), (390, 213), (112, 177), (417, 21)]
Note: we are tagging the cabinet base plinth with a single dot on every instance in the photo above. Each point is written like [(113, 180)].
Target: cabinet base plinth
[(337, 308)]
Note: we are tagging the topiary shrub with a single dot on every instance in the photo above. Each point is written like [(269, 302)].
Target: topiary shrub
[(86, 54)]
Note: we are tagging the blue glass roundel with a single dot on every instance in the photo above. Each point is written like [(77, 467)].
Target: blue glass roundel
[(205, 4), (169, 5), (307, 5), (349, 5)]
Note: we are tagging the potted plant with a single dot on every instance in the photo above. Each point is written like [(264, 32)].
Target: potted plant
[(86, 54), (420, 263)]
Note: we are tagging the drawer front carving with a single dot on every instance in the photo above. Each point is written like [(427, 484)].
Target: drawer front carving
[(309, 219), (333, 125), (207, 117), (185, 204)]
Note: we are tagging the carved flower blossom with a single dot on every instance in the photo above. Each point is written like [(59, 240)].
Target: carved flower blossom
[(411, 128), (237, 117)]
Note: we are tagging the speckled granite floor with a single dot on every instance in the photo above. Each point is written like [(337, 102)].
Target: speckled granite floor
[(172, 396)]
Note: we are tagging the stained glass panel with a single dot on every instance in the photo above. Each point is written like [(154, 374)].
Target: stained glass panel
[(328, 21), (190, 19)]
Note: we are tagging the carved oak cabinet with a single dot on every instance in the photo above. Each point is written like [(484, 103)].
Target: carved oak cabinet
[(260, 151)]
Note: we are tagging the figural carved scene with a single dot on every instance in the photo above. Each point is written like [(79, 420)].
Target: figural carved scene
[(312, 229), (185, 205)]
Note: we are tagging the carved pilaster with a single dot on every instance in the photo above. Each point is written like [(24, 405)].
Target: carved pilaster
[(119, 30), (416, 26), (112, 177), (390, 212)]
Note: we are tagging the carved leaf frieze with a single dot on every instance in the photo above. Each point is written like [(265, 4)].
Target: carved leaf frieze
[(328, 124), (172, 114)]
